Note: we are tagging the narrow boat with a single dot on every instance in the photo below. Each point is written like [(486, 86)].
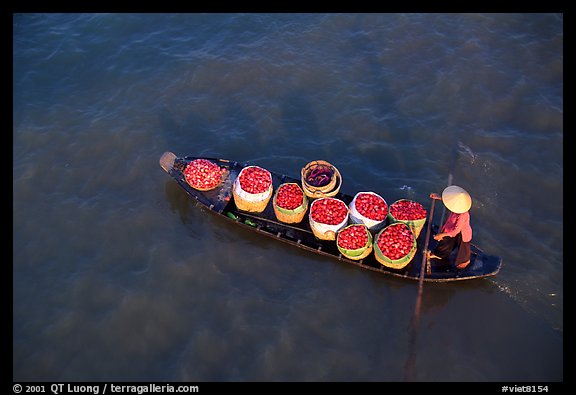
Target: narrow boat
[(220, 201)]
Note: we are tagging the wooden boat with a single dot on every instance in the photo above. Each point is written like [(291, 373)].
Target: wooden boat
[(219, 201)]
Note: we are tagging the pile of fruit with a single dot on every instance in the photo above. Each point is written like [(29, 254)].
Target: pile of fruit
[(289, 196), (353, 237), (354, 242), (395, 241), (371, 206), (290, 204), (407, 210), (203, 174), (254, 179), (329, 211)]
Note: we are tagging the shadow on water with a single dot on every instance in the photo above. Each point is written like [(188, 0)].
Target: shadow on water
[(179, 201)]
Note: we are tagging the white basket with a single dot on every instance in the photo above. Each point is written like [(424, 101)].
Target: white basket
[(326, 231), (252, 197), (251, 202), (357, 218)]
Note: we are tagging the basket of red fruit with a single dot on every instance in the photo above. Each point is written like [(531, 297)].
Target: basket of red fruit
[(409, 212), (327, 217), (395, 245), (354, 241), (203, 175), (290, 203), (370, 209), (252, 189), (320, 179)]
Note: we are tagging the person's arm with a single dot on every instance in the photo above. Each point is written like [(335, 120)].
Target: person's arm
[(438, 236), (453, 226)]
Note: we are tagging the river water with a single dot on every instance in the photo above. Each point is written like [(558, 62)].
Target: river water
[(118, 275)]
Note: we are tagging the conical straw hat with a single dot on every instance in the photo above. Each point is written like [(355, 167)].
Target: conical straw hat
[(456, 199)]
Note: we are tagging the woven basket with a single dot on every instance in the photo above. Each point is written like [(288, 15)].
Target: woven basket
[(415, 225), (393, 263), (325, 231), (250, 202), (204, 189), (321, 233), (329, 190), (360, 253), (366, 252), (290, 216), (252, 207)]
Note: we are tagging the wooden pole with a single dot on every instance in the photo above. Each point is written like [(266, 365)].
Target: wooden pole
[(410, 362)]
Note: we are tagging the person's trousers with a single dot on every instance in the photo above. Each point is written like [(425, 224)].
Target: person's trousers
[(445, 247)]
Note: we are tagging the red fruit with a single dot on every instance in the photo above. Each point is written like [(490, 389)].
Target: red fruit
[(289, 196), (353, 237), (255, 179), (329, 211), (407, 210), (202, 174), (371, 206), (395, 241)]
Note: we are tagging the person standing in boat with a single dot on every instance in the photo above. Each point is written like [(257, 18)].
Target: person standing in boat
[(456, 232)]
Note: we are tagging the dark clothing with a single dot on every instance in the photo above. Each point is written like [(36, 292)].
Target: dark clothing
[(448, 244)]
